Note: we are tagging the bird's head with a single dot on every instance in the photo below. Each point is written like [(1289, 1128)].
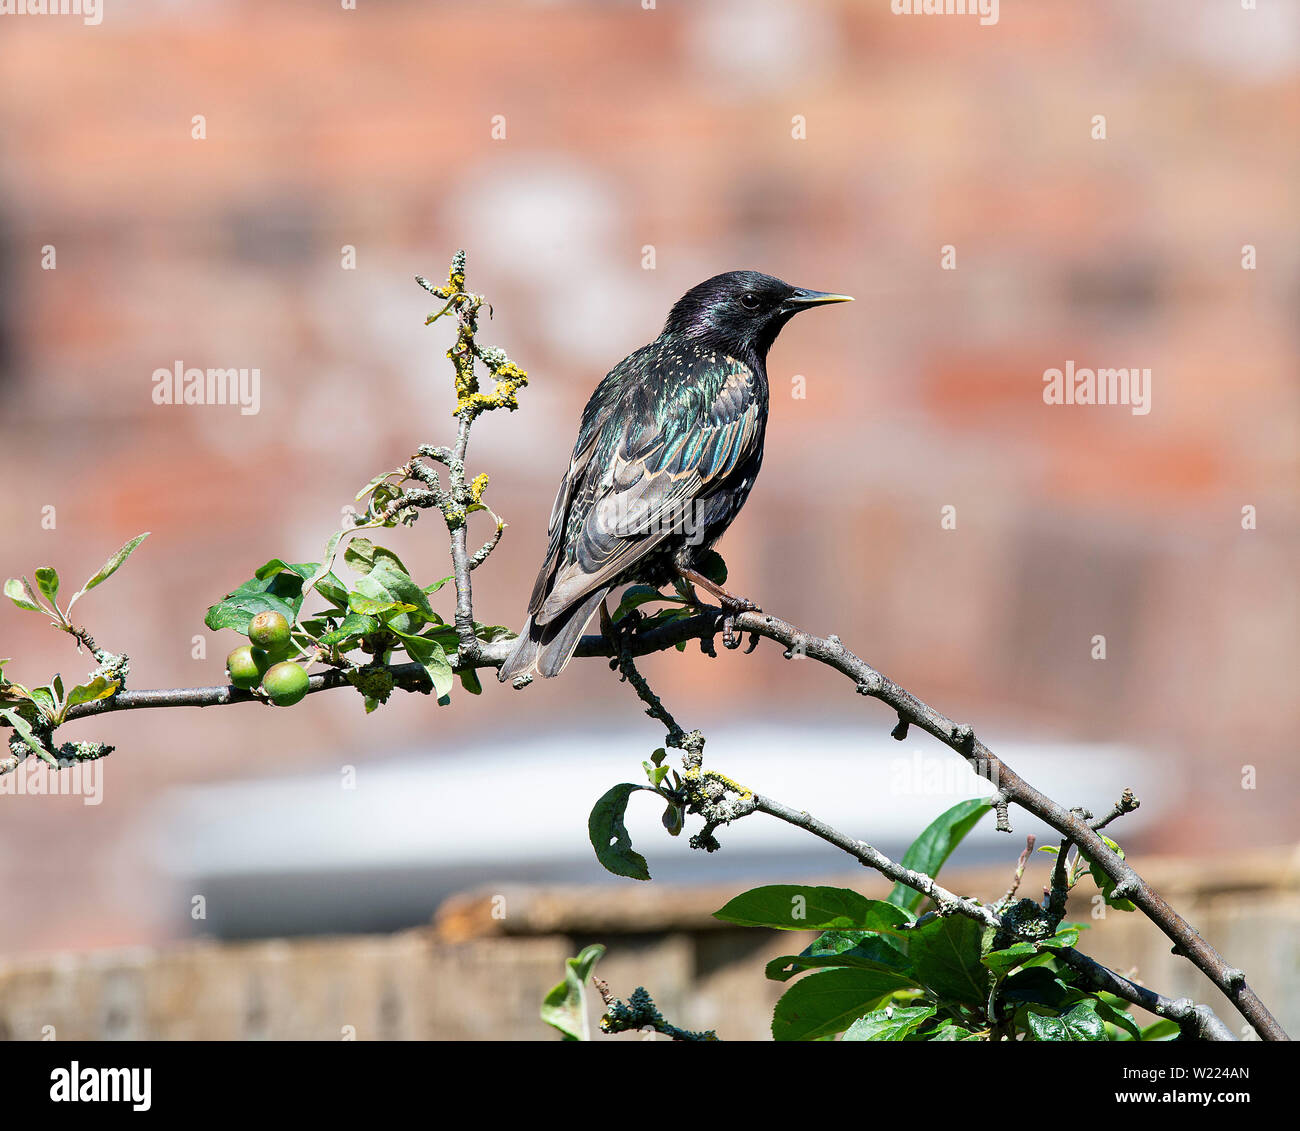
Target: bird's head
[(742, 311)]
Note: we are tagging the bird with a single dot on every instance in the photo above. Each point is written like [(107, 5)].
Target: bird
[(669, 446)]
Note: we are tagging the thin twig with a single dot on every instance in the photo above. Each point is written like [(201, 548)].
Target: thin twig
[(1005, 901), (1126, 804)]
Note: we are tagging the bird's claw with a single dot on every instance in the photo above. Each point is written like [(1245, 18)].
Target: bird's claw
[(731, 610)]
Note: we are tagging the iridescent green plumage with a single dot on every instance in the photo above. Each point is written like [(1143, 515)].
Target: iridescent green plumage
[(667, 453)]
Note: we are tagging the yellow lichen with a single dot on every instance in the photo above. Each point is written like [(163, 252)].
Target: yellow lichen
[(509, 380), (696, 774)]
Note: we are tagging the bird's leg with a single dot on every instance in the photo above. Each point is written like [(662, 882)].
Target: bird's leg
[(616, 635), (731, 603), (729, 600)]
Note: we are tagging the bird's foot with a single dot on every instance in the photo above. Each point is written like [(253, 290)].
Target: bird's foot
[(617, 635), (732, 607), (732, 604)]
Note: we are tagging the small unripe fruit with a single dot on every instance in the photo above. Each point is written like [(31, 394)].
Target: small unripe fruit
[(267, 657), (269, 630), (243, 667), (285, 683)]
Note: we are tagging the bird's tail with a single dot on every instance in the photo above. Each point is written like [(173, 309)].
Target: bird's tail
[(545, 649)]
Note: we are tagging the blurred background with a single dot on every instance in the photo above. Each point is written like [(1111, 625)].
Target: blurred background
[(596, 159)]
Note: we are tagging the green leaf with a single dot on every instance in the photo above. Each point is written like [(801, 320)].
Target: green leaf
[(949, 1030), (565, 1006), (673, 818), (713, 567), (429, 654), (43, 697), (368, 605), (240, 607), (109, 568), (327, 559), (324, 582), (444, 636), (788, 907), (1105, 884), (277, 566), (25, 732), (1036, 985), (638, 595), (352, 625), (276, 588), (1114, 1011), (1080, 1023), (389, 582), (1162, 1030), (945, 957), (830, 1001), (363, 555), (609, 835), (1002, 961), (284, 584), (889, 950), (332, 589), (655, 774), (872, 953), (375, 482), (932, 848), (470, 682), (21, 594), (47, 580), (889, 1024), (14, 693), (1045, 1028), (316, 626), (98, 688), (1083, 1022)]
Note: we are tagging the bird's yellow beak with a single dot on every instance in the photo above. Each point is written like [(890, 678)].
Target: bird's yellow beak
[(803, 298)]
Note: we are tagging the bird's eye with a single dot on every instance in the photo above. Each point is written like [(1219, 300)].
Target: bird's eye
[(749, 300)]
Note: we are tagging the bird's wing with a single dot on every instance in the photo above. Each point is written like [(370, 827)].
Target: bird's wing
[(659, 453), (593, 421)]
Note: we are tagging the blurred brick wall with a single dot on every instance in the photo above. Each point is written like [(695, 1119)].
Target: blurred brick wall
[(670, 128), (475, 977)]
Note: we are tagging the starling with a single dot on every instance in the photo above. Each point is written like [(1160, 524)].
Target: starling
[(667, 453)]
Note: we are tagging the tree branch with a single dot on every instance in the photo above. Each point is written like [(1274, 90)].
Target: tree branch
[(1009, 786), (831, 652), (1200, 1019)]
